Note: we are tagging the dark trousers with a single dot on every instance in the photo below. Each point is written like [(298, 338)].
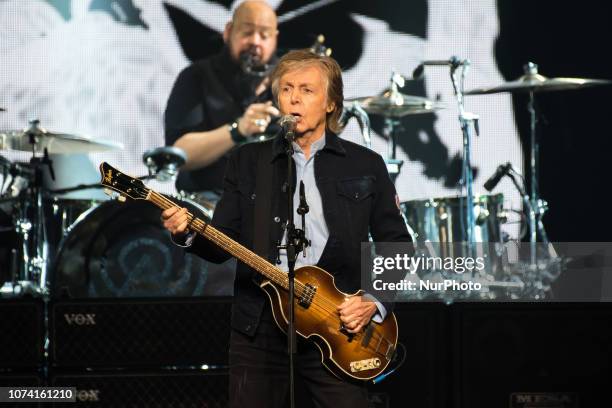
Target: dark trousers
[(259, 373)]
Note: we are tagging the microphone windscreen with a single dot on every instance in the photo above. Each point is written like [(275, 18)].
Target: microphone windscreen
[(288, 122)]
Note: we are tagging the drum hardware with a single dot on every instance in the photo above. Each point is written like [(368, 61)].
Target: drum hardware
[(206, 201), (467, 120), (354, 110), (393, 105), (15, 179), (164, 162), (532, 82), (390, 130), (23, 187), (320, 48)]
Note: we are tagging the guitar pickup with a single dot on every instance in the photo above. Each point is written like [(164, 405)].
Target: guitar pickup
[(307, 295), (367, 335)]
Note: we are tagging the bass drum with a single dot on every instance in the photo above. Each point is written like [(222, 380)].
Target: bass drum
[(122, 250)]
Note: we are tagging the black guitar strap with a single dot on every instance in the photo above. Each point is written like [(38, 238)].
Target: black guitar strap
[(263, 201)]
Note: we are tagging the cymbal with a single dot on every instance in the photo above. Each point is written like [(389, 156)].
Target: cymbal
[(55, 143), (396, 104), (532, 81)]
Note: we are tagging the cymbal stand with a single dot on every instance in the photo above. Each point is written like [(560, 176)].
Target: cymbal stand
[(538, 206), (394, 165), (31, 224), (363, 120), (391, 126), (466, 120)]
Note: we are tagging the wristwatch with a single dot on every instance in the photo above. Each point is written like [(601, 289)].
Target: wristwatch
[(237, 137)]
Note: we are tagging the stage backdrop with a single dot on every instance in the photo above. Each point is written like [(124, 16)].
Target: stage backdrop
[(104, 68)]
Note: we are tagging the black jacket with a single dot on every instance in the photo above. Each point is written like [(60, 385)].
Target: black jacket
[(207, 94), (358, 198)]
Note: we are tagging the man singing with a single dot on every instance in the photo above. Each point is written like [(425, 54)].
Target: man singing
[(349, 195), (222, 101)]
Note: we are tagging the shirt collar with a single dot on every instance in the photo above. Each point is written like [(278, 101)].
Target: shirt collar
[(331, 140), (314, 147)]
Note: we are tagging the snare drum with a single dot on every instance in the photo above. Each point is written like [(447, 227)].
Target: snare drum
[(122, 250)]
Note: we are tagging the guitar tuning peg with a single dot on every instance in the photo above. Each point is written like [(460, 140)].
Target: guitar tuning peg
[(121, 199)]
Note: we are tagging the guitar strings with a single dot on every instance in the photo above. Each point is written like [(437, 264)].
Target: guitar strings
[(263, 264), (303, 290), (200, 225)]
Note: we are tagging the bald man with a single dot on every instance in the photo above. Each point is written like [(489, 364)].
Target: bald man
[(223, 101)]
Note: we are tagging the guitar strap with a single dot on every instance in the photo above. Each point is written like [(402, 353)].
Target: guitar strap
[(263, 201)]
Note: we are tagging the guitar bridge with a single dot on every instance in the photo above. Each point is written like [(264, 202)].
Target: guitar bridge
[(307, 296), (363, 365)]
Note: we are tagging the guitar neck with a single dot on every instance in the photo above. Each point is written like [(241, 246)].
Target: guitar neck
[(243, 254)]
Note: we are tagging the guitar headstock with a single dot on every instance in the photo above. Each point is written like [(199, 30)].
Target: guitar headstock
[(123, 184)]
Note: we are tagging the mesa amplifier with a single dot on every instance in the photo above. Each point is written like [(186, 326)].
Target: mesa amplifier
[(21, 333), (521, 355), (99, 333), (152, 389)]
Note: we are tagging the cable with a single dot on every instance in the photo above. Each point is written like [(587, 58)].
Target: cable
[(383, 376)]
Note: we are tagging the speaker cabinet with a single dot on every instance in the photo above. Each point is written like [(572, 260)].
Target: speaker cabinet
[(146, 389), (99, 333), (510, 355), (21, 333)]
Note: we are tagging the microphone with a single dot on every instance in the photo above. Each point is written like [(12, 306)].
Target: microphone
[(251, 63), (453, 62), (501, 171), (288, 123)]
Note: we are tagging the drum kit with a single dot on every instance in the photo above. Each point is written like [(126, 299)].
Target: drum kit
[(48, 240), (469, 223), (31, 213), (25, 203)]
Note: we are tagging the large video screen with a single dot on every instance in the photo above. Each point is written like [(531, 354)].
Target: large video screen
[(105, 68)]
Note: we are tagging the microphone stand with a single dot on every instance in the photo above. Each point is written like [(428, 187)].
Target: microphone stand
[(295, 243)]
